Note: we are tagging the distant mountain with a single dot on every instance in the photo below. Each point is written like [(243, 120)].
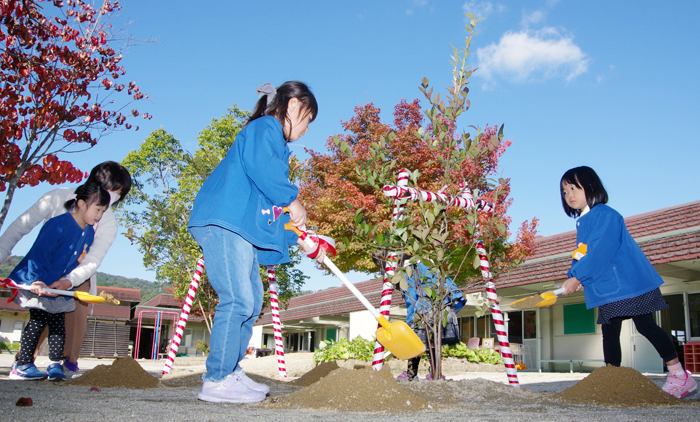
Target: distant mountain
[(148, 289)]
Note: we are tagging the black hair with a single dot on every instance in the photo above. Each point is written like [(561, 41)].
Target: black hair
[(584, 178), (278, 107), (90, 193), (113, 177)]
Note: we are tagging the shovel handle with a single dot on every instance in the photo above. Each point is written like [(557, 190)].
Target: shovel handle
[(559, 291), (47, 290), (336, 271)]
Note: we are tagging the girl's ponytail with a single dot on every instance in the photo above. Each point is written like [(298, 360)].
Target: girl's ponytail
[(90, 193)]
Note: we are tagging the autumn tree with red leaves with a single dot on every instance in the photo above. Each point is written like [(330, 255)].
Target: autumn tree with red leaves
[(343, 196), (59, 72)]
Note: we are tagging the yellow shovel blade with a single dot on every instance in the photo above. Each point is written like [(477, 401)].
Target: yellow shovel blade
[(86, 297), (541, 300), (399, 339)]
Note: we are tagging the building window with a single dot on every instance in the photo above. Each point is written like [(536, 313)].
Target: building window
[(578, 319), (522, 325)]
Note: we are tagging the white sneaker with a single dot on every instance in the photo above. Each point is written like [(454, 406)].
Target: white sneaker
[(229, 390), (250, 383)]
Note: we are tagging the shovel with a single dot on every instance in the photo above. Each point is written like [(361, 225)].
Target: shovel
[(85, 297), (397, 337), (541, 300)]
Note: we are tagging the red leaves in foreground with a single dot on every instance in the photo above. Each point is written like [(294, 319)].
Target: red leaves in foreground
[(24, 402)]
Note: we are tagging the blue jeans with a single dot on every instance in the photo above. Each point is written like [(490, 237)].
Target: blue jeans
[(232, 267)]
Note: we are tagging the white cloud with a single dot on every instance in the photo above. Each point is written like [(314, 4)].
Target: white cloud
[(481, 9), (532, 18), (532, 55)]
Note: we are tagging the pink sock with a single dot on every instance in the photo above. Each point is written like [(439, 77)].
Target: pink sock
[(677, 370)]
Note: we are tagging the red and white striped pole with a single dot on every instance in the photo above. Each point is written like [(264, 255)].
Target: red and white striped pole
[(497, 315), (276, 322), (384, 307), (184, 315), (389, 271)]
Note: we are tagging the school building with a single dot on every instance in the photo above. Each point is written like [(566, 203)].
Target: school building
[(108, 331), (560, 337)]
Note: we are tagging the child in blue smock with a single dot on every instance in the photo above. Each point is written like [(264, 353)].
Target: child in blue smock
[(60, 246), (616, 275), (238, 221)]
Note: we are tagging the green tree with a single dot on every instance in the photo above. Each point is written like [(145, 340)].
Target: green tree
[(166, 181)]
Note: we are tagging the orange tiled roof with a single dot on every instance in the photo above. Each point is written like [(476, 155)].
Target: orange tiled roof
[(333, 301), (122, 293)]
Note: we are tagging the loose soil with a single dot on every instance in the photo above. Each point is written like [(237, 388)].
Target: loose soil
[(109, 298), (618, 386), (123, 373), (330, 388), (315, 374), (527, 303), (355, 390)]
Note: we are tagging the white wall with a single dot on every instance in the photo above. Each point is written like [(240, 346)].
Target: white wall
[(8, 333), (580, 346), (257, 338), (362, 324)]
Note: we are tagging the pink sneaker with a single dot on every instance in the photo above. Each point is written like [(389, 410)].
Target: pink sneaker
[(404, 377), (678, 387), (430, 377)]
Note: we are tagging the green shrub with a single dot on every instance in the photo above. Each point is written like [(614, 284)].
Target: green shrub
[(461, 351), (203, 346), (358, 348), (9, 347)]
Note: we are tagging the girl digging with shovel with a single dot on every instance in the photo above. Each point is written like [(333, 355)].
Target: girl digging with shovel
[(238, 221)]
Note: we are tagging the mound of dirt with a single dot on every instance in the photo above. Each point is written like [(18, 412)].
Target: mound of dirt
[(109, 298), (348, 390), (123, 373), (315, 374), (618, 386)]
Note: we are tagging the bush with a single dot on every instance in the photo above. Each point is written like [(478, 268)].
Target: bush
[(358, 348), (203, 346), (461, 351), (9, 347)]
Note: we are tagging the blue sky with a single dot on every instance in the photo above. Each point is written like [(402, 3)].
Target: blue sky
[(611, 85)]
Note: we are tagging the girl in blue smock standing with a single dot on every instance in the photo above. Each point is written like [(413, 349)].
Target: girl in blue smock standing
[(238, 221), (616, 275)]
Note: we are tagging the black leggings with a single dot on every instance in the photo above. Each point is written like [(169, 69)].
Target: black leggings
[(647, 327), (30, 335)]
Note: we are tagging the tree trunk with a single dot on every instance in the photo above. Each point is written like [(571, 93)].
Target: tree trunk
[(11, 187)]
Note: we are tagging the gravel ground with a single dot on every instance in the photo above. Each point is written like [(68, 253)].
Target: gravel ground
[(531, 403)]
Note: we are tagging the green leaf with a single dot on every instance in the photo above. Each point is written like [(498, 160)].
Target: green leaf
[(477, 262)]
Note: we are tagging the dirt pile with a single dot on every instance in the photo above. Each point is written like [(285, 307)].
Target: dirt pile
[(362, 390), (618, 386), (109, 298), (315, 374), (527, 303), (123, 373)]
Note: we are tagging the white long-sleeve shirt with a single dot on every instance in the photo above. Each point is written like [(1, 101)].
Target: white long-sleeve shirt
[(51, 205)]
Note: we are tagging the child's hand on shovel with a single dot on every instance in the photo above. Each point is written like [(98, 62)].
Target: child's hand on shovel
[(297, 213), (323, 245), (38, 287), (571, 285)]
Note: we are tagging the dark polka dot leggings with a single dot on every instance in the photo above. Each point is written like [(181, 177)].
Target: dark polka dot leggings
[(38, 319)]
